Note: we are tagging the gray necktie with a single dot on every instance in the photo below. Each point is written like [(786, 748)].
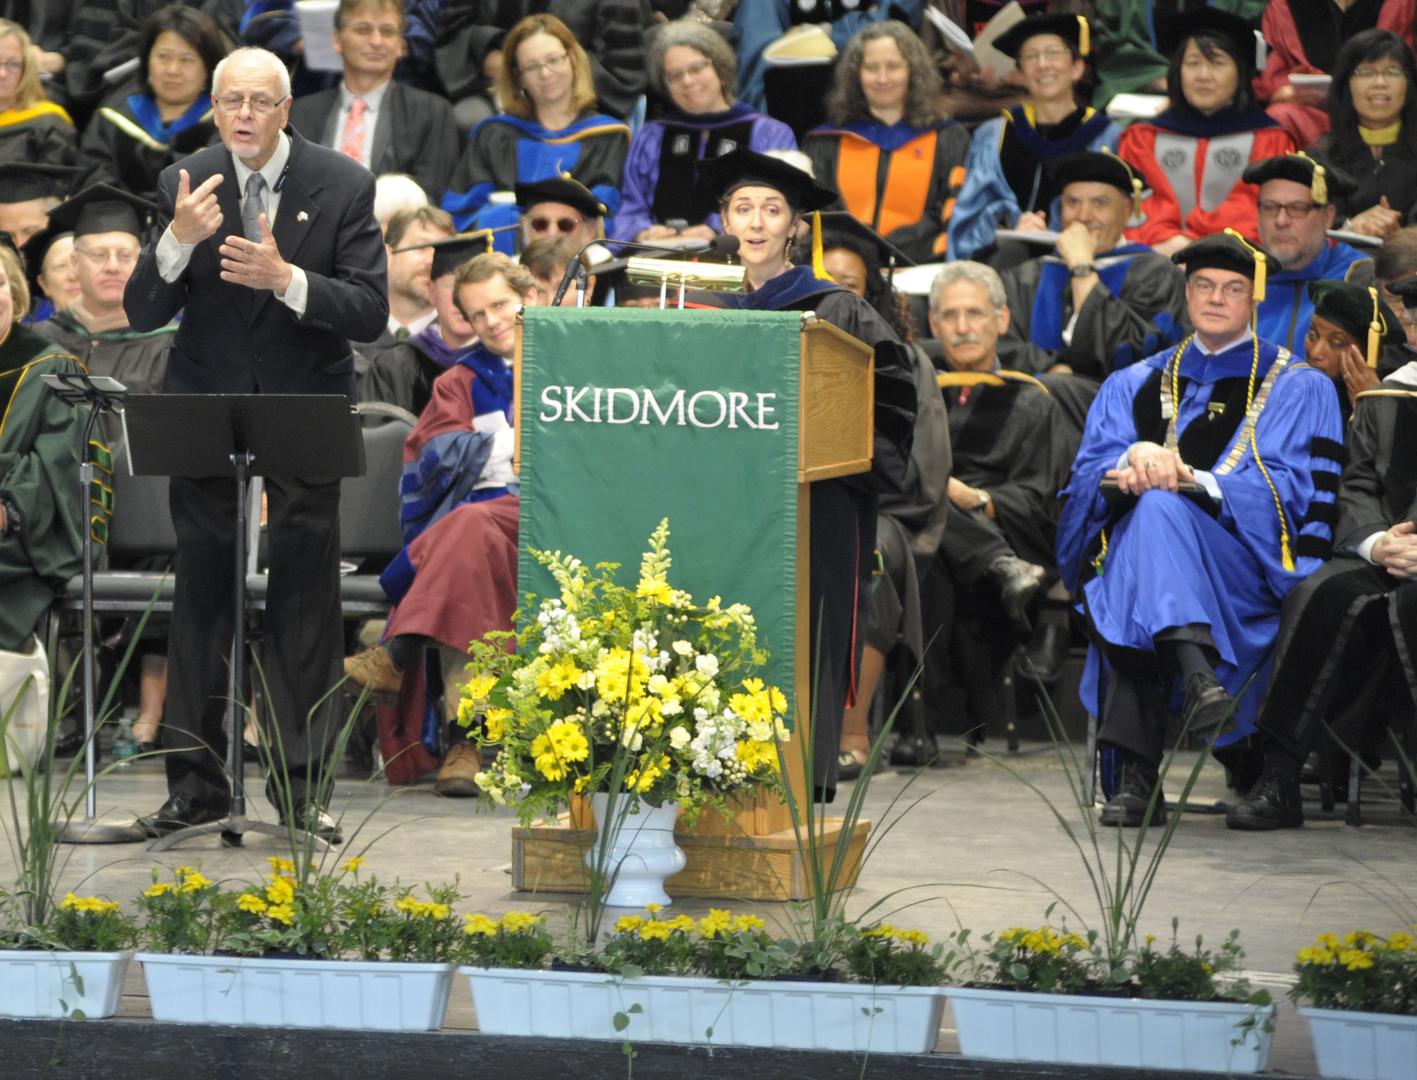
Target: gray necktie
[(252, 207)]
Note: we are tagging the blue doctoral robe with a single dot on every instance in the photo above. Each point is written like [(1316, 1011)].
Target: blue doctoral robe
[(1170, 561), (1286, 309)]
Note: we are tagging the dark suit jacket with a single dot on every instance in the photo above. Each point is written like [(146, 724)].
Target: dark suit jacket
[(415, 133), (236, 340)]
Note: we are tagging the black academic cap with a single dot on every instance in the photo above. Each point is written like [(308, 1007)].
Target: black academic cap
[(839, 223), (21, 181), (1406, 291), (1359, 311), (1238, 33), (1073, 29), (38, 248), (1325, 183), (1095, 167), (1228, 251), (561, 189), (102, 208), (719, 177)]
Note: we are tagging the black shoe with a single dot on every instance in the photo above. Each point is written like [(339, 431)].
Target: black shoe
[(1136, 780), (847, 767), (312, 818), (1018, 582), (66, 746), (179, 812), (914, 751), (1048, 650), (1208, 704), (1273, 804)]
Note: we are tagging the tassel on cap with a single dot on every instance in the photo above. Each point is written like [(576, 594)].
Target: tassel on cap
[(1261, 266), (819, 265), (1084, 36), (1318, 186), (1376, 329), (1137, 186)]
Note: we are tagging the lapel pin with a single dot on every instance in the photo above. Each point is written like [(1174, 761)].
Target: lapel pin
[(302, 216)]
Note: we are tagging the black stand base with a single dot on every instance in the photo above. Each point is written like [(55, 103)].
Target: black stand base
[(232, 829)]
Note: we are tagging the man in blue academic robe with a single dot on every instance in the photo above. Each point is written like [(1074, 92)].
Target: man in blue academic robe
[(1295, 213), (1219, 459)]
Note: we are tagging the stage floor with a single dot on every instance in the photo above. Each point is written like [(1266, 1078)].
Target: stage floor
[(976, 852)]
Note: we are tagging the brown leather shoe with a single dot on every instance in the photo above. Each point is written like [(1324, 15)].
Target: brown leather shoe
[(375, 669), (457, 779)]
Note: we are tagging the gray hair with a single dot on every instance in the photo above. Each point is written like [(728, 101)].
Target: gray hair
[(266, 57), (986, 277), (701, 38)]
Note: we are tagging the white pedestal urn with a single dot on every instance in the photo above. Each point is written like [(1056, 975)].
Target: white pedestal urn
[(642, 850), (1362, 1045), (56, 985)]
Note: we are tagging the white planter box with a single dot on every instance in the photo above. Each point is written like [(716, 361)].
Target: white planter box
[(1005, 1025), (297, 993), (789, 1015), (1363, 1046), (47, 984)]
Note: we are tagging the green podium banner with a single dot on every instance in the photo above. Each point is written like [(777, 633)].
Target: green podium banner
[(632, 415)]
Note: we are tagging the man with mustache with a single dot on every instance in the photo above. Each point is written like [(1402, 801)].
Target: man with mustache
[(1011, 449), (1099, 303)]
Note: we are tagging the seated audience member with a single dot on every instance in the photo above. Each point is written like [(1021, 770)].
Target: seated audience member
[(131, 140), (473, 47), (394, 192), (1099, 304), (1304, 38), (456, 579), (1372, 133), (33, 129), (27, 194), (758, 23), (404, 374), (546, 257), (1007, 183), (40, 512), (1338, 342), (892, 153), (1296, 212), (1012, 447), (549, 126), (51, 272), (386, 126), (406, 238), (908, 523), (560, 206), (1193, 155), (1345, 639), (1217, 510), (692, 66), (1394, 262)]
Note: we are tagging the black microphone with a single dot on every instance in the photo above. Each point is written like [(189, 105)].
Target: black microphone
[(722, 244)]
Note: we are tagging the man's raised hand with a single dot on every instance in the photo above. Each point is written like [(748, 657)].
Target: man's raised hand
[(196, 214), (257, 266)]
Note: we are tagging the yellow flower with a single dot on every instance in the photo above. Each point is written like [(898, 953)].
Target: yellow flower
[(1400, 942), (1355, 959), (881, 930), (1315, 954), (1359, 939), (626, 923), (479, 925), (656, 589), (479, 688), (182, 871), (913, 937), (643, 779), (654, 909), (157, 888), (281, 890), (553, 683), (717, 921), (250, 902), (654, 931), (281, 913), (70, 902), (495, 722), (743, 924), (619, 670), (683, 924), (194, 882), (516, 922), (281, 867), (352, 865), (556, 748), (757, 756), (408, 905)]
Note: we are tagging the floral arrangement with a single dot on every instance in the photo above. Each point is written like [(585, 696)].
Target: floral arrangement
[(326, 916), (1058, 961), (518, 939), (76, 924), (1360, 971), (637, 689)]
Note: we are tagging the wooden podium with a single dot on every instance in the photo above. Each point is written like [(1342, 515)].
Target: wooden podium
[(830, 376)]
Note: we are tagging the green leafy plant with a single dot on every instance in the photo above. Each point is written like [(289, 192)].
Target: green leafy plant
[(180, 915), (887, 955), (83, 924), (518, 939), (1361, 971)]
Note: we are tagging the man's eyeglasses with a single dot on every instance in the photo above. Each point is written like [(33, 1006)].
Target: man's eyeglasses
[(100, 256), (260, 104), (1270, 208), (550, 66), (561, 224), (1232, 291)]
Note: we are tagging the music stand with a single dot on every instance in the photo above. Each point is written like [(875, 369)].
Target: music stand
[(101, 394), (203, 436)]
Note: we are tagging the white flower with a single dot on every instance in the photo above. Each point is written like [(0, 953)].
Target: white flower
[(706, 665), (678, 737), (683, 648)]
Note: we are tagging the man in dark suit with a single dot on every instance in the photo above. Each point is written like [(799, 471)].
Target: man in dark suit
[(271, 250), (386, 126)]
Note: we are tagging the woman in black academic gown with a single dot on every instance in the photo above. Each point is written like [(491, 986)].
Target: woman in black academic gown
[(761, 200), (131, 140)]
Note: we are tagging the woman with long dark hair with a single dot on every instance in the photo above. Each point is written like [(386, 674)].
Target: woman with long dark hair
[(1193, 155), (890, 150), (130, 141), (1372, 135)]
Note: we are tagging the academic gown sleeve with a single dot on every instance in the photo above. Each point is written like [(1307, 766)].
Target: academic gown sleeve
[(1361, 505), (443, 455), (986, 201), (1026, 498), (1148, 314)]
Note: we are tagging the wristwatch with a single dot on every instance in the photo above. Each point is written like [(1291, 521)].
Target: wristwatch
[(1083, 270), (985, 501)]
